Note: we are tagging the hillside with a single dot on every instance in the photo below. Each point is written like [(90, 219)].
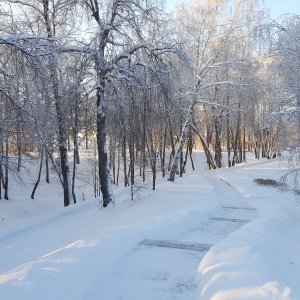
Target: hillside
[(209, 235)]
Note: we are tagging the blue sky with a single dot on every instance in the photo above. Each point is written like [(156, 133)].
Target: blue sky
[(277, 7)]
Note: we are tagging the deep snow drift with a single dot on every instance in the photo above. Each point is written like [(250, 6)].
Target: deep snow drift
[(209, 235)]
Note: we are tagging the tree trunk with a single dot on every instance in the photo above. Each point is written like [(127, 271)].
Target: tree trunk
[(74, 174), (62, 128), (104, 172), (163, 157), (152, 158), (218, 148), (6, 170), (209, 156), (154, 173), (190, 149), (131, 150), (124, 159), (19, 145), (144, 161), (185, 157), (68, 140), (47, 169), (228, 133), (237, 139), (244, 142), (182, 140), (118, 169), (112, 160), (77, 157), (39, 175), (172, 154), (62, 132), (1, 177)]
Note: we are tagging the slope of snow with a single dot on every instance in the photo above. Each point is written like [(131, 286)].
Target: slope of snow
[(81, 252), (261, 260)]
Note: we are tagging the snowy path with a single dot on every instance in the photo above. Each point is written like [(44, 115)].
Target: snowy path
[(166, 268)]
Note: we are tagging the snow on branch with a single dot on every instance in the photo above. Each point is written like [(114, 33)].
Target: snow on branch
[(92, 89), (36, 46), (14, 44), (154, 50), (232, 83)]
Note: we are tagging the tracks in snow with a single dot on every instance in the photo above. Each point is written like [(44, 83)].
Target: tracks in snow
[(166, 268)]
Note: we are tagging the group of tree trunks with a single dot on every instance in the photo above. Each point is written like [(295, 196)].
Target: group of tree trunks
[(135, 94)]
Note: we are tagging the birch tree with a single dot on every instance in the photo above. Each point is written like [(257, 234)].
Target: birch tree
[(283, 126), (122, 33), (45, 18), (212, 28)]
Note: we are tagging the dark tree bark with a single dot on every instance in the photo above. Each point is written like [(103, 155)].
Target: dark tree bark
[(131, 148), (163, 157), (228, 132), (74, 175), (218, 147), (6, 170), (103, 167), (19, 142), (58, 99), (172, 154), (1, 178), (62, 137), (144, 162), (124, 160), (152, 157), (237, 139), (100, 64), (47, 168)]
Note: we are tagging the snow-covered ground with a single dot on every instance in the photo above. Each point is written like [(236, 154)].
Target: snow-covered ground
[(209, 235)]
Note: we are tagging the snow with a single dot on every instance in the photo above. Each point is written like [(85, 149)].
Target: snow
[(259, 261), (80, 252)]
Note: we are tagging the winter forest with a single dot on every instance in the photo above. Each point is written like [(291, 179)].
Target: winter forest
[(134, 89)]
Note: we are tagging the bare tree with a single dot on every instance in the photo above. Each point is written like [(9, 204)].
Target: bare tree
[(282, 86), (122, 33), (212, 29), (46, 19)]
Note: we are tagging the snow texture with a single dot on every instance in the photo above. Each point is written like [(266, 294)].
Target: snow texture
[(208, 235)]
